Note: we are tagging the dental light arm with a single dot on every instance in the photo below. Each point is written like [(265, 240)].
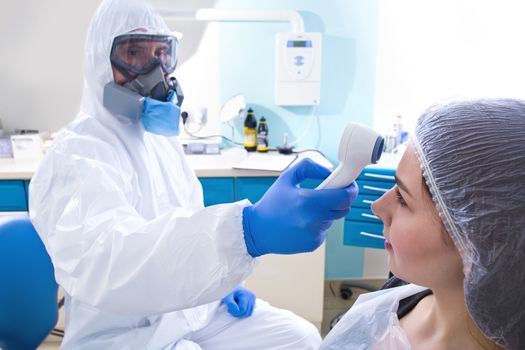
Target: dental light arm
[(218, 15)]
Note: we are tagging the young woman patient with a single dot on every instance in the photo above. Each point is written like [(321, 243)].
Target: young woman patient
[(455, 231)]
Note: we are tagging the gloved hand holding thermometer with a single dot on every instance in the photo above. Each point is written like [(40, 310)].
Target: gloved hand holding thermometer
[(289, 219)]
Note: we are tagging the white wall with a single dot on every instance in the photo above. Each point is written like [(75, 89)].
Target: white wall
[(42, 45), (198, 74), (430, 51), (198, 68), (42, 51)]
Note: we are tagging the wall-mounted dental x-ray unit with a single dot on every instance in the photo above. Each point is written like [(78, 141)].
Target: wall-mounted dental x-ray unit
[(298, 69)]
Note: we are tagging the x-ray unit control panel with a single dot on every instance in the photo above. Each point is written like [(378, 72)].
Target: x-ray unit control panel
[(298, 69)]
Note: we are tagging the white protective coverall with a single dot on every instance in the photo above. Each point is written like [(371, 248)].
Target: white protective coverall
[(143, 264)]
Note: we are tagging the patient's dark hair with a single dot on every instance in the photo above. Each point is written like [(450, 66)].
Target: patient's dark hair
[(446, 237)]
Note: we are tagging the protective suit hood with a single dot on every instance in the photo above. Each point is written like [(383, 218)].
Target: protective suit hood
[(113, 17)]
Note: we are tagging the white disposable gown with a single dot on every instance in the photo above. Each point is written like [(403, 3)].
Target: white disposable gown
[(372, 322), (143, 264)]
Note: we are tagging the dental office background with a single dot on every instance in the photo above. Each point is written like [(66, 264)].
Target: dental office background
[(380, 59)]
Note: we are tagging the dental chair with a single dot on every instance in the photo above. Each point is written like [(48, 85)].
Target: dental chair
[(28, 290)]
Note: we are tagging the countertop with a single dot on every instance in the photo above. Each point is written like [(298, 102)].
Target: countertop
[(217, 165)]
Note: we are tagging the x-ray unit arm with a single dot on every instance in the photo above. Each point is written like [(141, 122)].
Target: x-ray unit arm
[(216, 15)]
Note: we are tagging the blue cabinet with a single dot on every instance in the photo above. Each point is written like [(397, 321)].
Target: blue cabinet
[(363, 214), (13, 195), (364, 234), (230, 189), (362, 227), (218, 190), (252, 188), (26, 186), (364, 201)]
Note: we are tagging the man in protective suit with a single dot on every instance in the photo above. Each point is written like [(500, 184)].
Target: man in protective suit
[(143, 264)]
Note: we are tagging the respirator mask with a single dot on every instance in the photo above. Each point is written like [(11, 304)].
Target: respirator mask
[(144, 60)]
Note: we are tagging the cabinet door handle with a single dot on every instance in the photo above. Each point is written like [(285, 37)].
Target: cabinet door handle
[(371, 235), (377, 189), (7, 213), (378, 176), (370, 216)]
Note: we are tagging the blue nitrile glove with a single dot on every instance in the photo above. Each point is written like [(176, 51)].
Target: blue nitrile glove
[(160, 117), (289, 219), (240, 302)]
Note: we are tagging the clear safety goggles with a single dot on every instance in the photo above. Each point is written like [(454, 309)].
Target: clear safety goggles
[(140, 53)]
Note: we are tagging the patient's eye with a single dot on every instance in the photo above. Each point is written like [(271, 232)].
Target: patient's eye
[(400, 198)]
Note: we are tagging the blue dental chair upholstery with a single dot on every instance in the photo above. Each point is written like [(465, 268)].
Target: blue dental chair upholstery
[(28, 290)]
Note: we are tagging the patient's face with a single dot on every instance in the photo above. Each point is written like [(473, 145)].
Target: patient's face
[(419, 249)]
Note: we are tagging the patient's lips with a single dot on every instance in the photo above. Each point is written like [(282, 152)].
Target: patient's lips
[(387, 242)]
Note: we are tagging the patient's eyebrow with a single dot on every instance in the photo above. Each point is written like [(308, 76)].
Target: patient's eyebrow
[(401, 185)]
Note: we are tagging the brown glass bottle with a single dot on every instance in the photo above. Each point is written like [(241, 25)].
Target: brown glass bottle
[(250, 131)]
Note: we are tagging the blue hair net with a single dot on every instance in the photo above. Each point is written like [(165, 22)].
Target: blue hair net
[(473, 160)]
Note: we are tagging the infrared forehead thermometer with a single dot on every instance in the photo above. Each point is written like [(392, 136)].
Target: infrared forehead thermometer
[(359, 146)]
